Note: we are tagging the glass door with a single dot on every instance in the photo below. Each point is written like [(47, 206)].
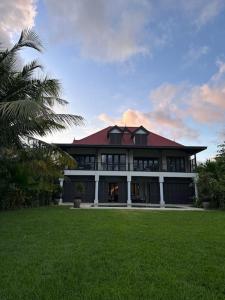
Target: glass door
[(113, 192)]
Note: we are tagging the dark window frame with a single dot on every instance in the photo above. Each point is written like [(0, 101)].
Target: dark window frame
[(85, 161), (115, 163), (140, 138), (135, 190), (151, 164), (115, 138), (176, 164), (113, 191)]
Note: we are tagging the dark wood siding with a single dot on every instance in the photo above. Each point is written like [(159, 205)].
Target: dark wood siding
[(178, 190), (69, 188)]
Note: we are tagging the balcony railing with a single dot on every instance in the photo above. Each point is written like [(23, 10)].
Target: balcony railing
[(100, 166)]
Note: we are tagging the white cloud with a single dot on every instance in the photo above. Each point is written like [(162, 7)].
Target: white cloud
[(165, 118), (15, 16), (115, 31), (194, 54), (204, 103), (200, 12), (175, 106), (209, 10), (105, 30)]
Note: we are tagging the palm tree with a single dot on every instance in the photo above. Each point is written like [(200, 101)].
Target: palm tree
[(27, 101)]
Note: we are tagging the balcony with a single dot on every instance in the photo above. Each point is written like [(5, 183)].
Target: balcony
[(101, 166)]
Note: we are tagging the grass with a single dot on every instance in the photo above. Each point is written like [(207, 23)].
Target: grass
[(57, 253)]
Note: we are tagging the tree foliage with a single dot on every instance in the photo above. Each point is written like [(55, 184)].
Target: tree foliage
[(211, 181), (27, 101), (29, 168), (29, 176)]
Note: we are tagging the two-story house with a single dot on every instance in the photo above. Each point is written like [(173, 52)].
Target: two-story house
[(131, 166)]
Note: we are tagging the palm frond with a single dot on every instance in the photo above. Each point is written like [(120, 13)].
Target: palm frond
[(28, 38), (28, 69), (20, 110), (27, 102), (67, 119)]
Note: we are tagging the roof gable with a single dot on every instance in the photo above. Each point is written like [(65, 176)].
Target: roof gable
[(140, 130), (115, 129)]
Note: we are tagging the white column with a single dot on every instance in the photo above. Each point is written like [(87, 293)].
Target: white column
[(61, 193), (195, 179), (96, 190), (129, 190), (161, 181)]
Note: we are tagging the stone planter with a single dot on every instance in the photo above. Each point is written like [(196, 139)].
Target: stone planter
[(206, 204), (76, 203)]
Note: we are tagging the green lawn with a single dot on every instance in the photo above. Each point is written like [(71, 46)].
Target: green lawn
[(58, 253)]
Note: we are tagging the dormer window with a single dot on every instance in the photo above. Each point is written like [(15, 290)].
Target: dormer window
[(140, 136), (115, 135), (115, 138), (140, 139)]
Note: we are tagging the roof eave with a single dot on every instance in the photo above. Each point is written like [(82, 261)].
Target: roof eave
[(190, 149)]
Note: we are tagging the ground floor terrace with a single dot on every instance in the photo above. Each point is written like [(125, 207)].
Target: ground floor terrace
[(129, 189)]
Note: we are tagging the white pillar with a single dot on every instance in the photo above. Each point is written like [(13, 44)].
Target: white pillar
[(61, 193), (196, 187), (129, 190), (96, 190), (161, 181)]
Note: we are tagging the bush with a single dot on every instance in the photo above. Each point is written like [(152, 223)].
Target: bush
[(211, 183)]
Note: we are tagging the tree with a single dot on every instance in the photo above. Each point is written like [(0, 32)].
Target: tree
[(211, 181), (26, 101), (29, 176), (29, 168)]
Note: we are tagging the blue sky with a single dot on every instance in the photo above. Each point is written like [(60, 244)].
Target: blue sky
[(160, 64)]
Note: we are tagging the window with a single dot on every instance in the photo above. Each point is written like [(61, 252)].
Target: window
[(135, 190), (175, 164), (140, 139), (113, 162), (85, 162), (115, 138), (113, 192), (146, 164)]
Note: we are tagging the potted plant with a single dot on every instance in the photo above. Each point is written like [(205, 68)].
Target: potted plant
[(79, 191), (206, 203)]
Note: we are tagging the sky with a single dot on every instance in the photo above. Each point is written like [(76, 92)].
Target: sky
[(160, 64)]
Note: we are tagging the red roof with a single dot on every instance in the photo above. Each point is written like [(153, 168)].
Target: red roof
[(101, 138)]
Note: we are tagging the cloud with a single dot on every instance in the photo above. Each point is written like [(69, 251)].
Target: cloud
[(203, 103), (157, 121), (194, 54), (116, 31), (175, 107), (207, 101), (15, 16), (209, 11), (105, 30), (200, 12)]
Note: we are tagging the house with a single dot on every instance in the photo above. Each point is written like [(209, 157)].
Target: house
[(131, 166)]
